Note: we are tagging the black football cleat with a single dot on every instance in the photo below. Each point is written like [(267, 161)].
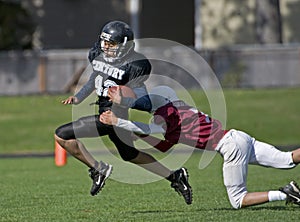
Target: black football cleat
[(292, 192), (182, 186), (99, 177)]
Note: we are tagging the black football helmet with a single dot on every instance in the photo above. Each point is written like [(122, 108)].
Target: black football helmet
[(119, 34)]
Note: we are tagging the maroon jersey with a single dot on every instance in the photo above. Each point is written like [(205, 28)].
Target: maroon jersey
[(184, 124)]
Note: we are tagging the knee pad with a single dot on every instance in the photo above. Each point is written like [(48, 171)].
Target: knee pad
[(65, 132)]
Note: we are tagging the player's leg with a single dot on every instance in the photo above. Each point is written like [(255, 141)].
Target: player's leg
[(239, 149), (289, 192), (78, 150), (236, 148), (296, 156), (149, 163), (123, 141), (267, 155), (178, 178), (67, 136), (255, 198)]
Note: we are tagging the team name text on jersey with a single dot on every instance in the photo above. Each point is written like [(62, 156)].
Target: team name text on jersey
[(108, 69)]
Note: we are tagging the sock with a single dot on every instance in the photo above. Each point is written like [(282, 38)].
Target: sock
[(276, 195)]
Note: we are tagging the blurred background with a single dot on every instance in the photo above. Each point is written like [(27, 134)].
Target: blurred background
[(248, 44)]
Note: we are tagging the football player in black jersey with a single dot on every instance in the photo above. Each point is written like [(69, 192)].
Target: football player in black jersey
[(114, 62)]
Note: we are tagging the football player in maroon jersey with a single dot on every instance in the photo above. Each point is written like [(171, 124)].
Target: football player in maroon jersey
[(181, 123)]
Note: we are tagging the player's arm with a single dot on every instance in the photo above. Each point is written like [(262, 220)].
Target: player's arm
[(84, 92), (139, 127), (141, 130), (140, 101), (109, 118), (161, 145)]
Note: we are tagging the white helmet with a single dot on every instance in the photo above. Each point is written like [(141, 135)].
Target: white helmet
[(162, 95)]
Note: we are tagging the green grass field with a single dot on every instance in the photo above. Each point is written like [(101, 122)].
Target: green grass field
[(34, 189)]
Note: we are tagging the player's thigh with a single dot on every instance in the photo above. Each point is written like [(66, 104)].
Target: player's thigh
[(235, 170), (236, 152), (267, 155), (236, 148), (90, 126), (235, 166)]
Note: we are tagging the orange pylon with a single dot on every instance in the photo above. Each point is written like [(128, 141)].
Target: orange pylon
[(60, 155)]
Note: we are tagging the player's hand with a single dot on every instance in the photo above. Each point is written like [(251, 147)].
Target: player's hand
[(108, 117), (114, 93), (70, 100)]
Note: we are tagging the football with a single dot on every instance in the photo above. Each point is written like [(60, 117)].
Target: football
[(125, 91)]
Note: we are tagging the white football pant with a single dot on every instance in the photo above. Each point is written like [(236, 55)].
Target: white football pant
[(238, 150)]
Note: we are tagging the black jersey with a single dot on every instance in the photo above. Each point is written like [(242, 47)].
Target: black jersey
[(133, 70)]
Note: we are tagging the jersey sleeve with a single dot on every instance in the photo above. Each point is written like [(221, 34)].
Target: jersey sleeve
[(168, 117), (161, 145), (139, 128), (164, 145), (87, 88), (142, 102)]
